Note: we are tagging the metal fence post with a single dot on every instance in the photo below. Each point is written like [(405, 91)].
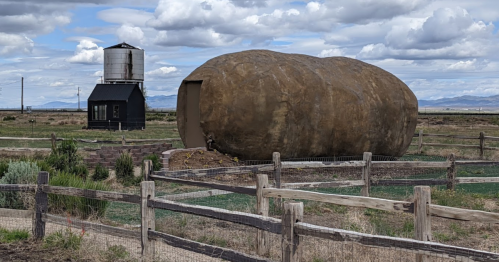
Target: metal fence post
[(262, 208), (41, 205), (147, 219), (422, 217), (290, 244)]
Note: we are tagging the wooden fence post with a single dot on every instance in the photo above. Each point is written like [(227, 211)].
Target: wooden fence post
[(147, 169), (420, 142), (41, 205), (366, 172), (262, 208), (123, 141), (451, 172), (276, 159), (290, 244), (422, 216), (148, 220), (53, 139), (482, 143)]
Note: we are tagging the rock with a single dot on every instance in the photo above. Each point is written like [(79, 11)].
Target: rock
[(256, 102)]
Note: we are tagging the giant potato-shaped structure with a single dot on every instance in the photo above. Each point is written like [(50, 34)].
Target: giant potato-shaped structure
[(256, 102)]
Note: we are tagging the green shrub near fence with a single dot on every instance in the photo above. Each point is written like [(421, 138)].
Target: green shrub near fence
[(156, 161), (100, 173), (18, 173), (124, 169)]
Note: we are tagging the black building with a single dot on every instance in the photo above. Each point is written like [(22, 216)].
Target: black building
[(112, 104)]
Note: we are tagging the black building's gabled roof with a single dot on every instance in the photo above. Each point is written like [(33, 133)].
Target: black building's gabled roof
[(113, 92), (122, 45)]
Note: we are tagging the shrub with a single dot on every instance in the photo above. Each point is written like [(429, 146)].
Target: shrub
[(116, 253), (63, 239), (17, 173), (80, 170), (45, 166), (9, 118), (78, 206), (124, 169), (7, 236), (156, 161), (4, 166), (100, 173)]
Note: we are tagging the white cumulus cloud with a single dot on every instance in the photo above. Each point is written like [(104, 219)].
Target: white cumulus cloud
[(164, 71), (87, 52)]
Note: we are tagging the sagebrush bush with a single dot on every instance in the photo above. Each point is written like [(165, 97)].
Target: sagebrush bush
[(156, 161), (100, 173), (77, 206), (17, 173), (124, 169)]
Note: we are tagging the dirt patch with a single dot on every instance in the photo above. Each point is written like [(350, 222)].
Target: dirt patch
[(31, 250)]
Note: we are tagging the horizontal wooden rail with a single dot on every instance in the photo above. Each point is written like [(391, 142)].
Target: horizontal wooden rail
[(83, 140), (16, 213), (409, 245), (197, 194), (205, 249), (493, 138), (452, 136), (464, 214), (355, 201), (235, 189), (452, 145), (99, 228), (409, 164), (261, 222), (476, 163), (473, 180), (30, 138), (152, 140), (311, 164), (215, 171), (409, 182), (345, 183), (93, 194), (17, 187)]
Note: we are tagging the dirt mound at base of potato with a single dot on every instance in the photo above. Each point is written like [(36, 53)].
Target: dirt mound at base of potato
[(200, 159)]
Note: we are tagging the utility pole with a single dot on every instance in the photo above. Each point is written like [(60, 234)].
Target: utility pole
[(78, 98), (22, 95)]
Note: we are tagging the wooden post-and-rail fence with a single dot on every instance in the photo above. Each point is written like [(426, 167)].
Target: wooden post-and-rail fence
[(291, 226), (481, 144), (53, 139)]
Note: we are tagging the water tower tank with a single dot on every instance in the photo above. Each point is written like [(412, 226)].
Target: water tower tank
[(123, 63)]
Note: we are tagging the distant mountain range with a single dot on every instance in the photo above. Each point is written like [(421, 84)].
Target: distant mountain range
[(462, 101), (170, 102), (164, 102)]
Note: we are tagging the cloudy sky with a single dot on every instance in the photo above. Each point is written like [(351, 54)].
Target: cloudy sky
[(439, 48)]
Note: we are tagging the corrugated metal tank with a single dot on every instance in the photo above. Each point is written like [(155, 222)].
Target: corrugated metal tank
[(123, 63)]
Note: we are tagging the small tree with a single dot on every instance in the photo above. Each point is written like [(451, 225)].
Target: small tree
[(124, 169)]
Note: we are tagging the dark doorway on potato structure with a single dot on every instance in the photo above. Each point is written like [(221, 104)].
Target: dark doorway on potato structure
[(194, 133)]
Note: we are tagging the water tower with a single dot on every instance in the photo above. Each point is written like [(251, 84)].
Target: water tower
[(124, 64)]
